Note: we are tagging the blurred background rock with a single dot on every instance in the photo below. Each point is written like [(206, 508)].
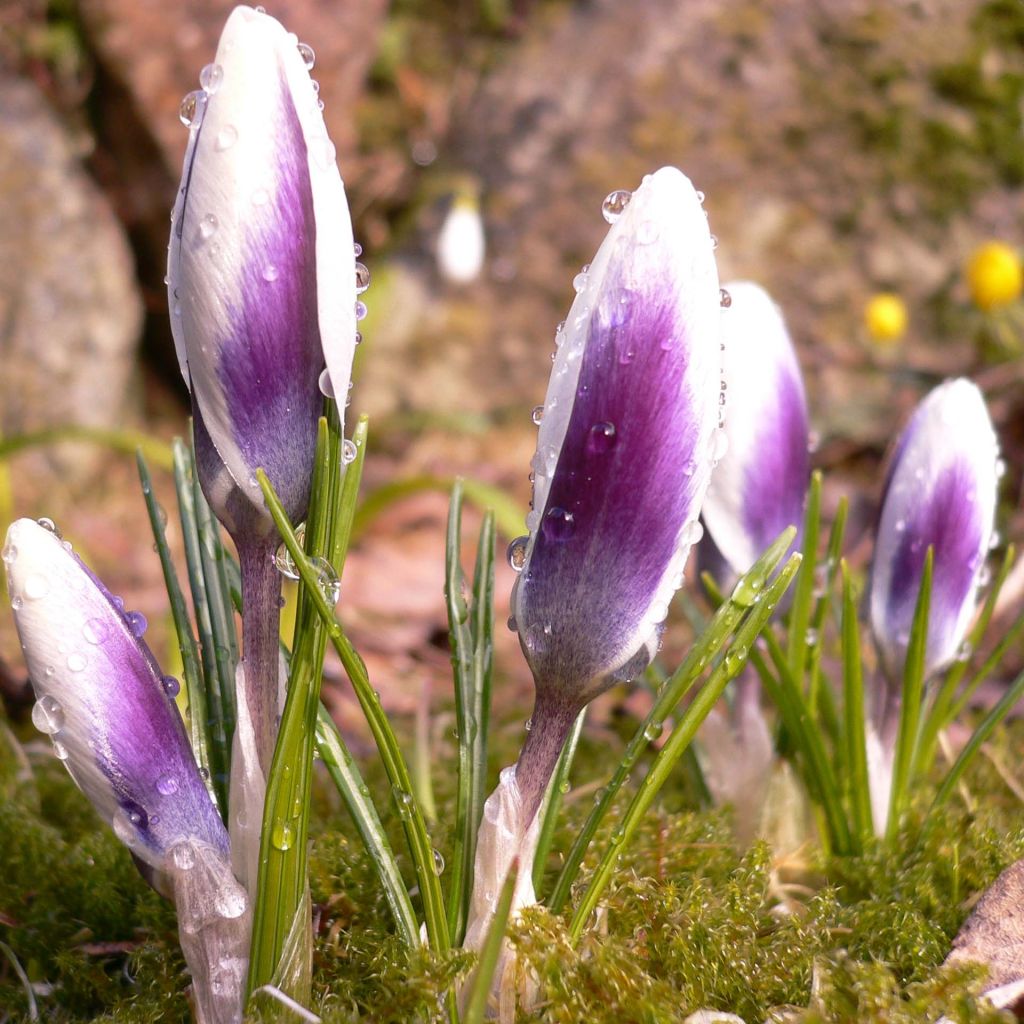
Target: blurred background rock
[(847, 148)]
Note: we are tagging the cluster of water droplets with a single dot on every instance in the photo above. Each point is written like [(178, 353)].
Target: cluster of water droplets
[(327, 580)]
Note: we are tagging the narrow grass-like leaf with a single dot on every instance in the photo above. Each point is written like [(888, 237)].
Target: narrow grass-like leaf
[(908, 735), (195, 689), (208, 702), (705, 649), (282, 867), (679, 739), (558, 785), (346, 776), (507, 512), (476, 1006), (803, 589), (823, 584), (470, 632), (392, 760), (803, 733), (855, 754)]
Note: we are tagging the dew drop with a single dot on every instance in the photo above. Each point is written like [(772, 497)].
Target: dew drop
[(9, 553), (714, 242), (537, 415), (283, 560), (95, 631), (60, 751), (652, 731), (517, 553), (16, 602), (700, 196), (327, 580), (208, 226), (602, 438), (171, 686), (136, 623), (614, 204), (357, 249), (724, 298), (307, 55), (558, 525), (226, 138), (348, 451), (192, 108), (210, 78), (559, 333), (282, 835), (167, 785), (579, 282), (77, 661), (438, 862), (48, 715), (270, 273), (49, 526), (362, 278), (182, 855), (360, 309)]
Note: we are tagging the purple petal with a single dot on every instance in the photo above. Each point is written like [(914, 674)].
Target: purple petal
[(625, 447), (760, 483), (941, 492), (261, 270), (101, 699)]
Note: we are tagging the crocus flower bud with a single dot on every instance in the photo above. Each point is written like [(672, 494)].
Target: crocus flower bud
[(101, 699), (113, 721), (760, 483), (940, 493), (626, 447), (261, 270)]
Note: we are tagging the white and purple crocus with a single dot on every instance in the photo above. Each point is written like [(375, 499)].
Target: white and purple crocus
[(940, 493), (111, 716), (624, 456), (760, 483), (262, 290)]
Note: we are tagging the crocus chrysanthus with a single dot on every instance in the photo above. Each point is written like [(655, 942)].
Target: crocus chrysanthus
[(760, 483), (262, 288), (112, 719), (940, 494), (624, 455)]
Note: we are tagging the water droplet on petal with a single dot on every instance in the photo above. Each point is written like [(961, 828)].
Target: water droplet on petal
[(537, 415), (724, 298), (208, 226), (559, 525), (77, 661), (307, 55), (270, 273), (171, 686), (517, 553), (60, 751), (192, 108), (226, 137), (182, 855), (348, 451), (602, 438), (167, 785), (615, 203), (210, 78), (136, 623), (537, 638), (48, 715), (362, 278), (360, 310), (49, 526), (700, 196), (579, 282)]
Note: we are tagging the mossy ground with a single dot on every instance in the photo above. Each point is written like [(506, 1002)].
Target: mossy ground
[(691, 922)]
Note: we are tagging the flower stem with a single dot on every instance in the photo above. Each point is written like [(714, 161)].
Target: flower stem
[(552, 722), (261, 610)]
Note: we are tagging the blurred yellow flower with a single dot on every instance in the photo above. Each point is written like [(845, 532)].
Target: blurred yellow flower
[(885, 317), (995, 275)]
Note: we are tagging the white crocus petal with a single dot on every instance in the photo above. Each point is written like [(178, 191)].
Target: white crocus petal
[(261, 268), (760, 483)]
